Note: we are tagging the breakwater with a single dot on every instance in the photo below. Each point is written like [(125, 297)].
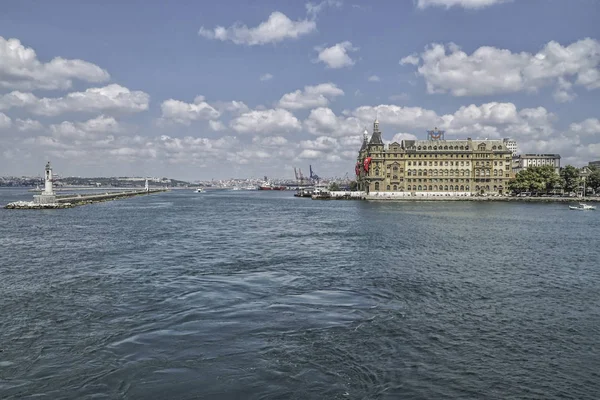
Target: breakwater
[(73, 200)]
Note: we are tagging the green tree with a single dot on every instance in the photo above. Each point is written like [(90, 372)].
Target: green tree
[(334, 187), (593, 179), (535, 179), (570, 178)]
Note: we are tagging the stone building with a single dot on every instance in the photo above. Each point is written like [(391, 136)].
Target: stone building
[(524, 161), (433, 167)]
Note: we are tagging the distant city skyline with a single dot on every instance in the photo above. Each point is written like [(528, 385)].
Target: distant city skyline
[(195, 90)]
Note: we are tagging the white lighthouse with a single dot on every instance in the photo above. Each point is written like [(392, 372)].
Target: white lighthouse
[(48, 189), (47, 196)]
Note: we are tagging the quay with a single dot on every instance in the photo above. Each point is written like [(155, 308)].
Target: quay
[(48, 199)]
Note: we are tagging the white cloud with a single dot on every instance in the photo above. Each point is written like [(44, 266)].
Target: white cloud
[(489, 70), (399, 137), (313, 9), (266, 77), (276, 28), (374, 78), (310, 97), (20, 69), (113, 97), (564, 92), (588, 127), (410, 117), (320, 143), (27, 125), (234, 107), (310, 155), (101, 125), (469, 4), (216, 125), (265, 121), (412, 59), (336, 56), (184, 113), (270, 141), (323, 121), (5, 121)]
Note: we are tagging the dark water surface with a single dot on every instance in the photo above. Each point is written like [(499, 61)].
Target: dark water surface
[(256, 295)]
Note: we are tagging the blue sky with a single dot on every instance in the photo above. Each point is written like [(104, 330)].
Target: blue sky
[(151, 88)]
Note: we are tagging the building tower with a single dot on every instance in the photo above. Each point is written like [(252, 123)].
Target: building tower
[(48, 189)]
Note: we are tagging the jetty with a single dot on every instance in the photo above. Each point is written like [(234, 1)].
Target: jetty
[(48, 199)]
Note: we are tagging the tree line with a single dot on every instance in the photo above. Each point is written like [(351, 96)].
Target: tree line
[(544, 179)]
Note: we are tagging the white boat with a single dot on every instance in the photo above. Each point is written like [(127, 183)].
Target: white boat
[(199, 190), (582, 207)]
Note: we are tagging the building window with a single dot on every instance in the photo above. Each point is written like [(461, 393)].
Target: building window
[(388, 187), (395, 187), (376, 186)]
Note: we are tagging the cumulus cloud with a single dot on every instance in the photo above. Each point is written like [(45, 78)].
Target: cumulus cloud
[(101, 125), (113, 98), (265, 121), (269, 141), (20, 69), (489, 70), (184, 113), (310, 97), (276, 28), (5, 121), (336, 56), (469, 4), (27, 125), (323, 121), (588, 127), (266, 77), (216, 125)]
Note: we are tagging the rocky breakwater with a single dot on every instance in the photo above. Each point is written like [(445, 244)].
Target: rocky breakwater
[(30, 205)]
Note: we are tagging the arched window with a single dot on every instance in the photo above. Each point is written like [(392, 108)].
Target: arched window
[(395, 168), (424, 172), (419, 173), (446, 187), (495, 172), (435, 187), (467, 188), (445, 147), (435, 147), (462, 173), (477, 187), (419, 148), (419, 187), (408, 172), (476, 172), (451, 188), (414, 187), (462, 188), (429, 148), (395, 187), (409, 163), (376, 186), (493, 147), (388, 187), (414, 172), (462, 147)]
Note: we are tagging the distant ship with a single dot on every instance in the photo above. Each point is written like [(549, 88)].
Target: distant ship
[(268, 186)]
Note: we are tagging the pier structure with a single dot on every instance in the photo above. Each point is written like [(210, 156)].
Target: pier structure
[(48, 199)]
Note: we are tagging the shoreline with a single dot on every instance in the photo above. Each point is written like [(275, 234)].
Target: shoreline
[(499, 199)]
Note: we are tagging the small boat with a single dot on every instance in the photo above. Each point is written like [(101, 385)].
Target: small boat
[(199, 190), (582, 207)]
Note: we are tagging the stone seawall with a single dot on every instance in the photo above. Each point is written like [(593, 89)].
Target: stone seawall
[(79, 200)]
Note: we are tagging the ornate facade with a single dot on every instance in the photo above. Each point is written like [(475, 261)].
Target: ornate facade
[(435, 166)]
